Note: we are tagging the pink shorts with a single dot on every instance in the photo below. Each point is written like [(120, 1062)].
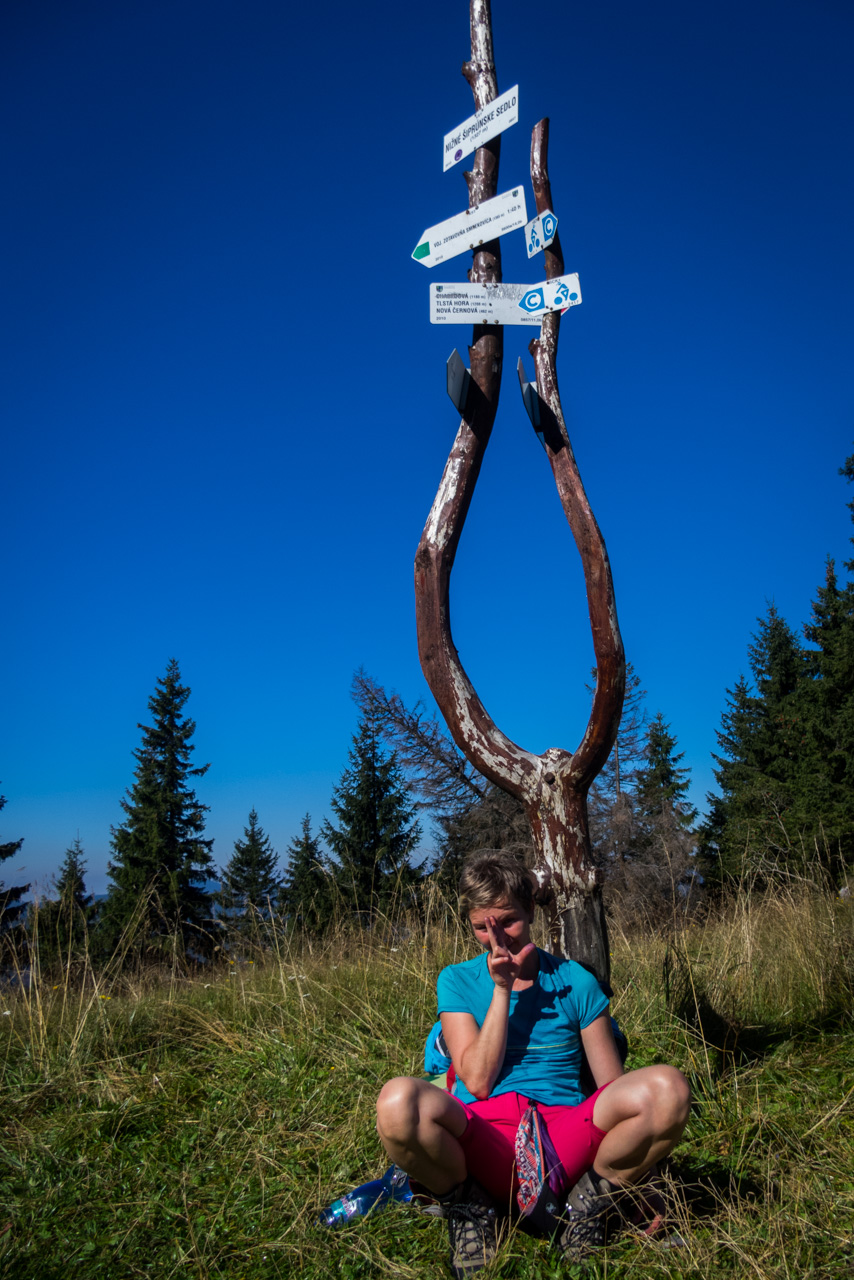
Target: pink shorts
[(489, 1140)]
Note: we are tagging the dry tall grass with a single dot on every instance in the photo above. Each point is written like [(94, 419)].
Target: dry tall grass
[(173, 1122)]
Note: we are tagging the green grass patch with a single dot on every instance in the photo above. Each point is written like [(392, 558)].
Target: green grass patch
[(193, 1126)]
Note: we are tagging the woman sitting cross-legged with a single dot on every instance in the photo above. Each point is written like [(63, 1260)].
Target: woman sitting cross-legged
[(515, 1020)]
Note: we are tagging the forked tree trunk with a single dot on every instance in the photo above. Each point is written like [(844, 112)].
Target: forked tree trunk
[(553, 786)]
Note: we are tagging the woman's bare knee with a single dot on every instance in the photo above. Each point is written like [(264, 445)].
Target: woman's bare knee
[(663, 1098), (657, 1096), (398, 1112), (670, 1097), (407, 1105)]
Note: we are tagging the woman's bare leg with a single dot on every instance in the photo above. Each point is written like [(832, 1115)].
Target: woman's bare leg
[(643, 1114), (419, 1125)]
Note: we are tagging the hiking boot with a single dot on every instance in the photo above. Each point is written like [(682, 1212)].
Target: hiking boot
[(472, 1227), (644, 1210), (423, 1200), (589, 1214)]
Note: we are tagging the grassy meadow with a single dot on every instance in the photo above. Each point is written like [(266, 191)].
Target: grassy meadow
[(169, 1124)]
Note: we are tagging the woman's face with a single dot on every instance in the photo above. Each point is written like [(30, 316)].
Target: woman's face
[(510, 922)]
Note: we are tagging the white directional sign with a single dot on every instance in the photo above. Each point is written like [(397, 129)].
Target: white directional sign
[(502, 303), (540, 232), (472, 228), (495, 117)]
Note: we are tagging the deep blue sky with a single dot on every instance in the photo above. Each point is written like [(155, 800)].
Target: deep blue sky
[(225, 407)]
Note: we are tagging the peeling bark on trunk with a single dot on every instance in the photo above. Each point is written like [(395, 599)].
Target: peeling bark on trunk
[(577, 922), (553, 786)]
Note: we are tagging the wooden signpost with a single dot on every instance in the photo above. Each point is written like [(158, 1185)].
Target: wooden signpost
[(553, 786)]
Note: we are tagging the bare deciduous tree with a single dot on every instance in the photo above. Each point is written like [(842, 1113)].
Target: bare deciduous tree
[(469, 812), (551, 787)]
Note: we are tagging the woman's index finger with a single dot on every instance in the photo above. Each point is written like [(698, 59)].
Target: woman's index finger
[(496, 933)]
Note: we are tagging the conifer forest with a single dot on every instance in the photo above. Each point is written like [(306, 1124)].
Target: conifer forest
[(409, 806)]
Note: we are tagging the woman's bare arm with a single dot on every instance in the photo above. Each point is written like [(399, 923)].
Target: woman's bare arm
[(601, 1051), (478, 1052)]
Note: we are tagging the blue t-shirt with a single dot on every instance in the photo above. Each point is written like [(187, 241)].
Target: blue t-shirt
[(543, 1058)]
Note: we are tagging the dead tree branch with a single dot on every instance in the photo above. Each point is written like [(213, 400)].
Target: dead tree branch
[(561, 831)]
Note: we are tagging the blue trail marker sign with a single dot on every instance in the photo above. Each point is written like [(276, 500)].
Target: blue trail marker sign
[(540, 232), (495, 117), (502, 303), (472, 228)]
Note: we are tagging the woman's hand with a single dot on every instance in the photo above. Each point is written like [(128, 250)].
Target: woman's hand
[(505, 966)]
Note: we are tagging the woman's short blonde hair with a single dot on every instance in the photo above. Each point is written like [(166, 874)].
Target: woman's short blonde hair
[(490, 878)]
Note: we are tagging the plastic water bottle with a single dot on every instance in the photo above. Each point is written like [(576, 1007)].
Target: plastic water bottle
[(394, 1185)]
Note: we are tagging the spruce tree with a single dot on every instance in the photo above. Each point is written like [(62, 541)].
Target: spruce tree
[(64, 922), (759, 769), (377, 831), (307, 892), (11, 907), (847, 470), (611, 802), (162, 859), (786, 768), (726, 833), (662, 782), (777, 663), (825, 778), (641, 821), (657, 873), (469, 813), (825, 800), (250, 882)]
